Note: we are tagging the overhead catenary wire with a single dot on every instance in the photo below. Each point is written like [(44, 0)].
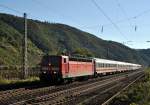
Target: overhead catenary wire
[(108, 18), (122, 20), (142, 13), (103, 26), (12, 9), (123, 11), (29, 14), (43, 5), (17, 11), (117, 22)]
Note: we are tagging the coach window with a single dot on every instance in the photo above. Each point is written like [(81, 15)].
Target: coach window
[(65, 60), (97, 65), (101, 65), (107, 65)]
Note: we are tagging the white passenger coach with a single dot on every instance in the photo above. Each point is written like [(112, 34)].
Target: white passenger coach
[(110, 66)]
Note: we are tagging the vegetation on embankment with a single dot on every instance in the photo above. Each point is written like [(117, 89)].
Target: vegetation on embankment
[(137, 94), (53, 38), (4, 81), (9, 84)]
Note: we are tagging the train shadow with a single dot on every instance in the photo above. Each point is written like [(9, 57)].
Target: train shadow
[(26, 85)]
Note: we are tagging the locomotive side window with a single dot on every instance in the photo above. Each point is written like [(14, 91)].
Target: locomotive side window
[(65, 60)]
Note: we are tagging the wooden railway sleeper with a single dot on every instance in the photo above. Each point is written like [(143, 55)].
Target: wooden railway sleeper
[(73, 95)]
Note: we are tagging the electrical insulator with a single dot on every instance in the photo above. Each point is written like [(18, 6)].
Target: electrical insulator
[(135, 28), (102, 29)]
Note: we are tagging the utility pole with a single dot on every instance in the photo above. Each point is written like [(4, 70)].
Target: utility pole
[(108, 52), (25, 68)]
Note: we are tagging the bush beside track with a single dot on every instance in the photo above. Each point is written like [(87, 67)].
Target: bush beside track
[(6, 81), (137, 94), (6, 84)]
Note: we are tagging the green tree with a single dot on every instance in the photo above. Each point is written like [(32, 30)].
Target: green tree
[(83, 52)]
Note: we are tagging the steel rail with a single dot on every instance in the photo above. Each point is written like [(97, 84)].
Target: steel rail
[(61, 95), (110, 99)]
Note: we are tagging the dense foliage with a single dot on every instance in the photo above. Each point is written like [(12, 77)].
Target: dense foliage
[(55, 38)]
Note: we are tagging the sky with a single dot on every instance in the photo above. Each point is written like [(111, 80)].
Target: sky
[(124, 21)]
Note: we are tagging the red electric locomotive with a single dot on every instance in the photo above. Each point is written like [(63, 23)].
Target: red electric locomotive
[(57, 68)]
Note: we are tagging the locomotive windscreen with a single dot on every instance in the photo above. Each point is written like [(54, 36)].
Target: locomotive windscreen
[(51, 60)]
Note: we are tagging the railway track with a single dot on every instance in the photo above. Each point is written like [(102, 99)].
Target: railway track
[(74, 95), (60, 94), (110, 99), (20, 91), (107, 94)]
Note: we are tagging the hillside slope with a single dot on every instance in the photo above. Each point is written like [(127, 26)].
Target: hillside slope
[(145, 53), (50, 38)]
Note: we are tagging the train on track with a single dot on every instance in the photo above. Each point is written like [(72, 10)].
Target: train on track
[(58, 68)]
